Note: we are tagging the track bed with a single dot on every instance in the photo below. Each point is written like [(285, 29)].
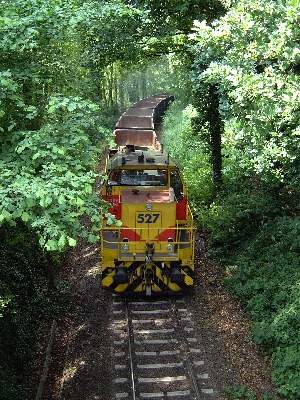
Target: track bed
[(155, 352)]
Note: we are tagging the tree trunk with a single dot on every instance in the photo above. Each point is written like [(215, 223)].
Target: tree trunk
[(216, 129), (143, 85), (110, 85), (50, 273)]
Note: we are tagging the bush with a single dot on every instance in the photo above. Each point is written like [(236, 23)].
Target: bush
[(242, 393), (236, 214), (266, 277)]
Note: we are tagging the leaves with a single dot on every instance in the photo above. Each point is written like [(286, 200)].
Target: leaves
[(259, 89), (25, 216), (62, 241), (47, 176), (72, 242)]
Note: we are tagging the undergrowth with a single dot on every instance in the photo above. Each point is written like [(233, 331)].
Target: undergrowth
[(27, 301), (258, 244), (266, 277), (242, 393), (186, 148)]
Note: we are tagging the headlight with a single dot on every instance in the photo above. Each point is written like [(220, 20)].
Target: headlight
[(170, 247), (125, 245)]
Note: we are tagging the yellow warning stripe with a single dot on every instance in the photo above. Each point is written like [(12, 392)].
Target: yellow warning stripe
[(166, 283)]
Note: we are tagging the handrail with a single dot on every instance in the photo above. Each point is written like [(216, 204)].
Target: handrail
[(161, 228), (146, 240), (189, 229)]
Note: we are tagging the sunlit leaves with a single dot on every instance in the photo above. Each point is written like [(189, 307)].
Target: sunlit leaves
[(110, 31), (47, 177), (251, 54), (72, 242), (187, 149), (69, 104), (25, 217)]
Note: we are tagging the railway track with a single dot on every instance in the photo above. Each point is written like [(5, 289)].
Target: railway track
[(156, 353)]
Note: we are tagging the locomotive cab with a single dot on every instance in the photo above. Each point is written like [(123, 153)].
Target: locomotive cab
[(153, 250)]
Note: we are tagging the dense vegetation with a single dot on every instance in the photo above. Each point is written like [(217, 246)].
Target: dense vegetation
[(28, 298), (251, 55), (67, 70)]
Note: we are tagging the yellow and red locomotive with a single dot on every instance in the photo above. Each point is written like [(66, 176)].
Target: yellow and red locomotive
[(153, 250)]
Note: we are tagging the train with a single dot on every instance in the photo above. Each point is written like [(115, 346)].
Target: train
[(151, 251)]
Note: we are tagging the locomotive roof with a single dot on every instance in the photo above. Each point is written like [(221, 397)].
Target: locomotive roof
[(143, 158)]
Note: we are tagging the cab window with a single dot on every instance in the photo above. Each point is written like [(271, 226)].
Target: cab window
[(140, 177)]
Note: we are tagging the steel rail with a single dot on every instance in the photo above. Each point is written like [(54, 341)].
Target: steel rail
[(186, 358), (130, 352), (193, 378)]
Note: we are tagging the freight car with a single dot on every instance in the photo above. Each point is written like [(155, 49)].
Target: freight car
[(153, 250)]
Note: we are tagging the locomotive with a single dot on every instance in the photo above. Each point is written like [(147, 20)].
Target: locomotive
[(152, 251)]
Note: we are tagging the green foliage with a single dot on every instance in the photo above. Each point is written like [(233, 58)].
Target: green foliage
[(251, 55), (47, 179), (110, 31), (243, 393), (259, 90), (186, 148), (168, 73), (238, 213), (266, 277), (50, 141), (180, 14), (239, 393)]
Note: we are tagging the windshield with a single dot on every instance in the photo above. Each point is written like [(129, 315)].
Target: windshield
[(140, 177)]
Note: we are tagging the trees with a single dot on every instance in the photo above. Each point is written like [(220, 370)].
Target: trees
[(49, 132), (251, 54)]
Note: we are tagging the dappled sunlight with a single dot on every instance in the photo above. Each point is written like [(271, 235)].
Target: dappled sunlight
[(93, 271), (79, 329), (119, 328), (91, 253), (71, 369), (88, 248)]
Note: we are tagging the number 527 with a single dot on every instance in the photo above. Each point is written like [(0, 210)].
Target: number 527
[(147, 218)]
